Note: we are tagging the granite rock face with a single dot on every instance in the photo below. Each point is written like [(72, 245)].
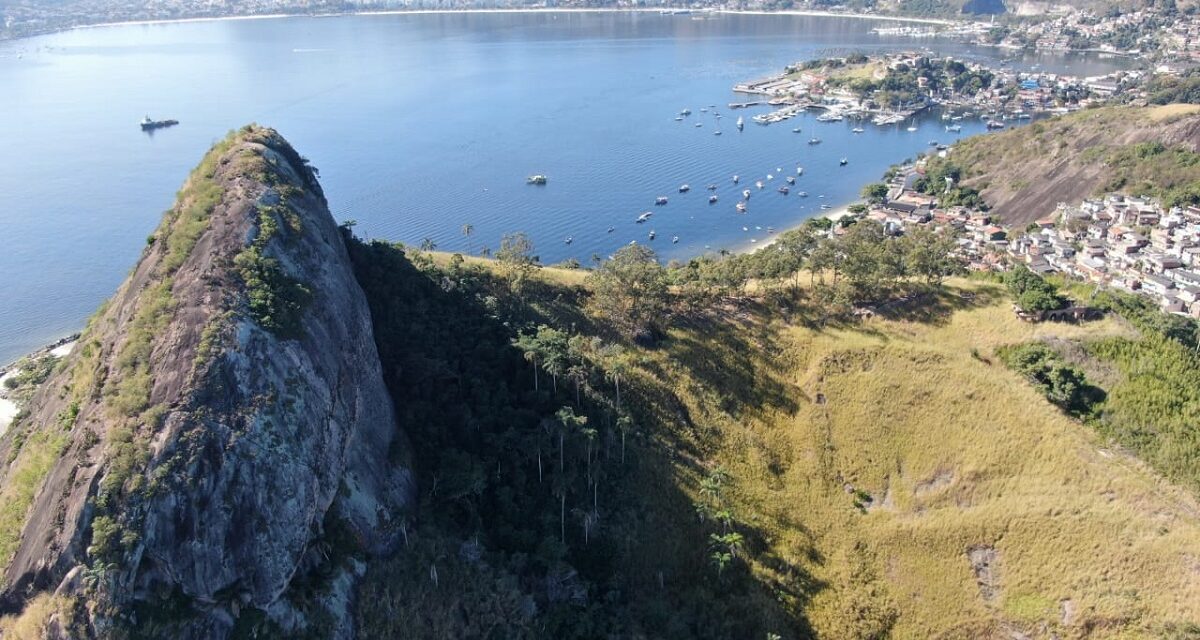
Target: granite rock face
[(222, 432)]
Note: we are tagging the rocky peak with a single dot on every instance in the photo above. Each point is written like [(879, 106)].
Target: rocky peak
[(222, 430)]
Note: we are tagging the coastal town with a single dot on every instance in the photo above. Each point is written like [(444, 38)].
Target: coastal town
[(889, 89), (1129, 243)]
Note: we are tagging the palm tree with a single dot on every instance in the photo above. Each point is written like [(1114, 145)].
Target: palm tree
[(617, 368), (567, 421), (530, 348), (486, 252), (427, 244), (467, 230), (578, 374), (624, 424)]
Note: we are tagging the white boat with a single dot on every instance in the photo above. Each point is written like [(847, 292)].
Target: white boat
[(796, 130), (611, 229), (712, 187), (678, 118), (799, 171), (759, 184), (770, 176), (741, 207), (912, 127), (712, 198), (661, 200), (954, 128), (675, 240), (735, 179), (716, 133), (814, 141), (791, 180), (783, 190), (843, 162), (802, 194), (746, 194), (652, 234), (699, 124), (537, 179), (858, 130), (685, 112), (569, 239), (683, 188), (740, 123), (644, 217)]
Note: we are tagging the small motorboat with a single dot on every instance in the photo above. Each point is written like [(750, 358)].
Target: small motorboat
[(746, 194), (699, 124), (843, 162), (759, 184), (791, 179), (783, 190), (716, 133), (611, 229), (814, 141), (644, 217), (858, 130), (735, 179), (770, 176), (802, 194), (678, 118), (741, 207), (796, 130), (683, 188), (569, 240), (712, 187), (712, 198), (536, 179), (651, 234), (674, 239), (799, 171), (661, 200)]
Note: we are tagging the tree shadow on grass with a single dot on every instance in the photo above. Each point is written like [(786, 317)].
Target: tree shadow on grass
[(595, 539)]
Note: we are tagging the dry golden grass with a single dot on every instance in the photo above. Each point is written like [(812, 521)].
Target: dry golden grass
[(1171, 111), (956, 452), (554, 275), (35, 621)]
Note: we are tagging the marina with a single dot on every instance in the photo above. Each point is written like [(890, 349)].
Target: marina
[(414, 162)]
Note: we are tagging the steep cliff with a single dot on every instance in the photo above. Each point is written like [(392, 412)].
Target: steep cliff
[(220, 449)]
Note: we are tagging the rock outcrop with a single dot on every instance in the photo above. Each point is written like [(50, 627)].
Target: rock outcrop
[(222, 433)]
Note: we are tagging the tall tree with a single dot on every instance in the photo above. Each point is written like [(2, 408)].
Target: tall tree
[(630, 291)]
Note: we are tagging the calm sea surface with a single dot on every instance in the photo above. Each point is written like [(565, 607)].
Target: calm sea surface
[(421, 124)]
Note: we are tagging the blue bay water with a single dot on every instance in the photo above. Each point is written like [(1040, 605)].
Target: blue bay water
[(419, 124)]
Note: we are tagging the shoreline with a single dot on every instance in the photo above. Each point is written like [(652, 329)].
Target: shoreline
[(535, 10), (8, 409), (834, 214)]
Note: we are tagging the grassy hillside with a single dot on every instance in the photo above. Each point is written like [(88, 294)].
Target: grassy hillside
[(884, 479), (1024, 173)]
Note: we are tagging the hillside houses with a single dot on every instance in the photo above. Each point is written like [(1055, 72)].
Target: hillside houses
[(1125, 242), (1129, 243)]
